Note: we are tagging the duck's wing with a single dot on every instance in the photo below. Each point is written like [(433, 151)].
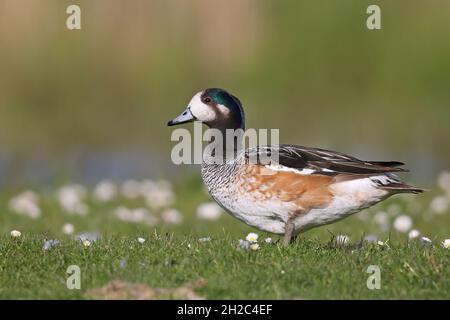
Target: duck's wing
[(320, 161)]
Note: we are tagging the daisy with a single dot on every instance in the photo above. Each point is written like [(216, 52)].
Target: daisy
[(444, 181), (446, 243), (86, 243), (413, 234), (252, 237), (15, 233), (254, 246), (382, 244), (105, 191), (26, 203), (172, 216), (68, 229), (268, 240), (70, 198), (209, 211), (403, 223), (136, 215), (440, 204), (130, 189), (157, 194)]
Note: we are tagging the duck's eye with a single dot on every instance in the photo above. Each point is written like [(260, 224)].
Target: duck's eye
[(207, 100)]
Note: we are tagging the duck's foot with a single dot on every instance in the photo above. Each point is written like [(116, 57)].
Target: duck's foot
[(288, 232)]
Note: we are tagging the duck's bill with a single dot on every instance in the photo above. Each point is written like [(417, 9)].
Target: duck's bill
[(186, 116)]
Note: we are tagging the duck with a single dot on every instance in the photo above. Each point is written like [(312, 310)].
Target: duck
[(304, 188)]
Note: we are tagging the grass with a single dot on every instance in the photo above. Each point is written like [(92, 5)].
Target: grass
[(307, 269), (171, 256)]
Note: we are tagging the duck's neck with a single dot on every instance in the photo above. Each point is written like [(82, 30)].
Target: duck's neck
[(225, 144)]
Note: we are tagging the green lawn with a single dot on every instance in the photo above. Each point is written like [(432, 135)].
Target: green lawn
[(172, 255)]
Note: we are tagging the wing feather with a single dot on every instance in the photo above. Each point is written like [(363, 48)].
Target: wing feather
[(322, 161)]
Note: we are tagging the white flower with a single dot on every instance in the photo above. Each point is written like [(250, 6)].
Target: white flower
[(70, 198), (160, 199), (341, 239), (172, 216), (136, 215), (68, 228), (131, 189), (141, 240), (440, 204), (446, 243), (444, 181), (403, 223), (268, 240), (252, 237), (147, 186), (254, 246), (86, 243), (157, 194), (80, 208), (413, 234), (26, 203), (16, 233), (123, 213), (209, 211), (205, 239), (105, 191)]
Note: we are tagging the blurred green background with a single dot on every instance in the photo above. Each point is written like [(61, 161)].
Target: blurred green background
[(93, 103)]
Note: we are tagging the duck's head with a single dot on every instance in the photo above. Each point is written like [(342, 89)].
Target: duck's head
[(214, 107)]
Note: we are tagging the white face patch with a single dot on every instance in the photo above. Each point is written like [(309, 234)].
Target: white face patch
[(204, 112), (201, 111)]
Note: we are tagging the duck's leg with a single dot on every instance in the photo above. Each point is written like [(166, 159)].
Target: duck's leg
[(288, 232)]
